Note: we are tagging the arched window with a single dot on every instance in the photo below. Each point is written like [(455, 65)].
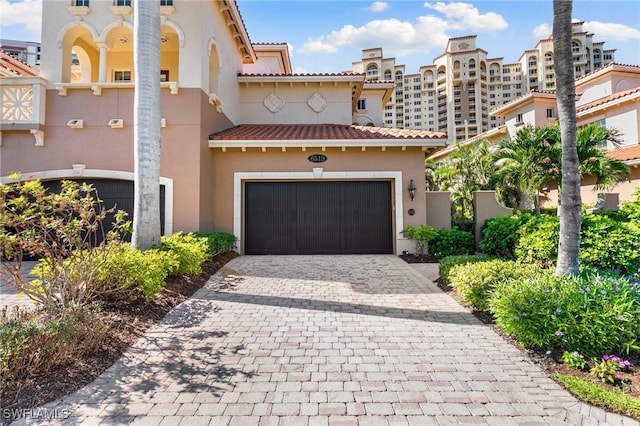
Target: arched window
[(372, 70)]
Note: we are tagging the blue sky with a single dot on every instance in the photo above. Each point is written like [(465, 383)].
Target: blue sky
[(326, 36)]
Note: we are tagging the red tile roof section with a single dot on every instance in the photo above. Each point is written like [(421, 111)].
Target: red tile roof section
[(626, 154), (16, 66), (606, 99), (319, 131), (334, 74)]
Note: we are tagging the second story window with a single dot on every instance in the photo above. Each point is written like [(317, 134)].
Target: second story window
[(84, 3), (362, 104), (122, 3), (122, 76), (166, 2)]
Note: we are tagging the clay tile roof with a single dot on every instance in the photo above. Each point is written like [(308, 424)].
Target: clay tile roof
[(606, 99), (319, 131), (15, 66), (626, 154), (334, 74)]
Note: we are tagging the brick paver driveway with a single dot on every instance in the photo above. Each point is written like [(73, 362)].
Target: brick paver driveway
[(318, 340)]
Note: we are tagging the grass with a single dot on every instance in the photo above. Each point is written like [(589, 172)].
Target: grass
[(610, 399)]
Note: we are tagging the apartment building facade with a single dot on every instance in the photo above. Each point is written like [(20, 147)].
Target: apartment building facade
[(456, 93)]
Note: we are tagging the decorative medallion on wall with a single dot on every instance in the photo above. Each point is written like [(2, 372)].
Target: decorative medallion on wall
[(273, 102), (317, 102)]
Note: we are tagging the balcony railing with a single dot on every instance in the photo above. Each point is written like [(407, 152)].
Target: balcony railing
[(23, 105)]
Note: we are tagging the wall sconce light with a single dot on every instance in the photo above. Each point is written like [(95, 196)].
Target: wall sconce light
[(412, 189)]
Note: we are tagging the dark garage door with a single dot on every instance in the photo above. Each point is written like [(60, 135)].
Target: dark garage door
[(318, 217), (113, 192)]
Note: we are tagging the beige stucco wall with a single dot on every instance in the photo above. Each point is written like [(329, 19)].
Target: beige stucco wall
[(225, 164), (295, 107), (486, 206), (438, 206), (189, 119)]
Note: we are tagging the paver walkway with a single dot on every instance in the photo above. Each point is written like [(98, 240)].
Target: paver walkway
[(324, 340)]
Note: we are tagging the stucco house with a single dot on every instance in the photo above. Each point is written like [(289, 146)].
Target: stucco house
[(609, 96), (288, 163)]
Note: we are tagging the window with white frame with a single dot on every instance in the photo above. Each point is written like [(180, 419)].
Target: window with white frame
[(121, 75)]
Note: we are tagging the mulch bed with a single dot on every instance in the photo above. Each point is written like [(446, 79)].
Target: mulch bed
[(418, 258), (126, 323)]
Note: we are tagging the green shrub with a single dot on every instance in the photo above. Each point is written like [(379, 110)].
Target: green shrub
[(421, 236), (130, 272), (452, 242), (33, 343), (190, 250), (476, 282), (219, 242), (608, 244), (632, 208), (590, 314), (61, 229), (538, 241), (447, 263), (500, 235), (462, 223)]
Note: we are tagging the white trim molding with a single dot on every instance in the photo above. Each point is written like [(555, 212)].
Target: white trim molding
[(240, 177), (78, 170)]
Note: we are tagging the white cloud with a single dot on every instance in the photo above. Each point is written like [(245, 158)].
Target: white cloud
[(378, 6), (300, 70), (26, 12), (401, 38), (611, 31), (542, 31), (465, 16)]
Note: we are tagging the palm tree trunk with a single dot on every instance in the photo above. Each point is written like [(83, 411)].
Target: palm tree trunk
[(570, 201), (146, 121)]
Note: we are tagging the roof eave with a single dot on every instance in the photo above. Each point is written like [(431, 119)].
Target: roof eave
[(328, 143)]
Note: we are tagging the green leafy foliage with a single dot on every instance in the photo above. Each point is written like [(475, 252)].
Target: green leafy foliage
[(538, 241), (449, 262), (219, 242), (130, 272), (609, 244), (593, 314), (607, 369), (500, 235), (632, 208), (452, 242), (190, 250), (65, 230), (574, 359), (421, 236), (476, 282)]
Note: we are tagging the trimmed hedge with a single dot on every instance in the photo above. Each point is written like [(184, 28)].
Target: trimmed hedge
[(452, 242), (447, 263), (476, 282)]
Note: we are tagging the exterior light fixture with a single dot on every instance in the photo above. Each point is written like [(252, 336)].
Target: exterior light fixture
[(412, 189)]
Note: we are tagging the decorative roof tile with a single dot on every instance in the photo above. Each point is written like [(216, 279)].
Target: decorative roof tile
[(264, 132), (626, 154), (607, 99)]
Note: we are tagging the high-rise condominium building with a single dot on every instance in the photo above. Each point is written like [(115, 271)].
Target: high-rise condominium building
[(456, 93), (25, 51)]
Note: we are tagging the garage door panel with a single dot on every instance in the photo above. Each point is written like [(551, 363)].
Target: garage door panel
[(318, 217), (272, 221)]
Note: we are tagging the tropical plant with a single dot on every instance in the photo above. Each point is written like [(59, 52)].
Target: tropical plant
[(146, 123), (469, 168), (524, 162)]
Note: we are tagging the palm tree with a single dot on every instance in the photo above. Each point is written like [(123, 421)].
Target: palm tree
[(525, 161), (570, 201), (469, 168), (146, 121), (608, 171)]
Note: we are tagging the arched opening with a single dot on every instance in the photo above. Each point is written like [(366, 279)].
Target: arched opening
[(387, 74), (428, 76), (472, 64), (169, 54), (80, 56), (456, 65), (119, 42), (372, 70)]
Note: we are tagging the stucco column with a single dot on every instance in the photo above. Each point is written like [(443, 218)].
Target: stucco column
[(102, 73)]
